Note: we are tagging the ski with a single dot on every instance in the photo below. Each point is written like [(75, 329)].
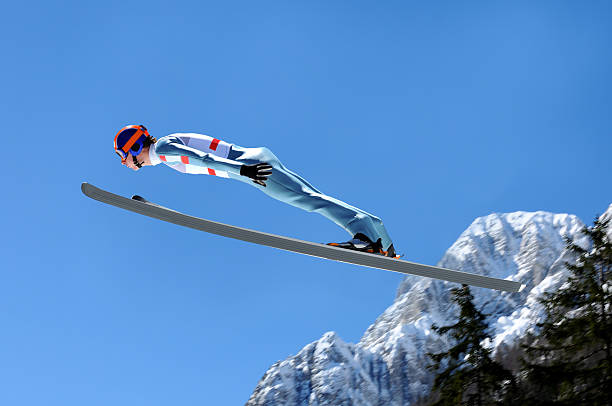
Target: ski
[(141, 206)]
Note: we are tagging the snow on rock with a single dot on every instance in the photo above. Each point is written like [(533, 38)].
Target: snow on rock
[(608, 216), (326, 372), (388, 365)]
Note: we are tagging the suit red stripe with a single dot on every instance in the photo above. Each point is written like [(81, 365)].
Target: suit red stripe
[(185, 160), (211, 172), (214, 143), (162, 157)]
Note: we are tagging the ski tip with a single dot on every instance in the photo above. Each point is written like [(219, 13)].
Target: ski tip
[(521, 287), (85, 187)]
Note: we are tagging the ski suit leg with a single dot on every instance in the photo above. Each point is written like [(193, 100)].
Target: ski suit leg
[(289, 187)]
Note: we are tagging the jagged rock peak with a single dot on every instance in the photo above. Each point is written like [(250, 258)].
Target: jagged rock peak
[(388, 365)]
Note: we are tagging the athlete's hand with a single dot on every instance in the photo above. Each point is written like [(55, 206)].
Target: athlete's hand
[(258, 172)]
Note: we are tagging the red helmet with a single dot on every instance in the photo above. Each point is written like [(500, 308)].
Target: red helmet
[(130, 139)]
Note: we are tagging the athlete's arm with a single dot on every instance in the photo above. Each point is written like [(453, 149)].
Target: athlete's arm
[(173, 146)]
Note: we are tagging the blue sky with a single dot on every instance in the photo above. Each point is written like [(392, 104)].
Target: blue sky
[(427, 114)]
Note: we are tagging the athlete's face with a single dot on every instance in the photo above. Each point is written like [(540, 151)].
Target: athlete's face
[(142, 158), (129, 162)]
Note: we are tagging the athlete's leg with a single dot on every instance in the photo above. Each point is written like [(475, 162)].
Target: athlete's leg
[(289, 187)]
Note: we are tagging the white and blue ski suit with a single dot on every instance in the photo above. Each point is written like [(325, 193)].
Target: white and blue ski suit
[(202, 154)]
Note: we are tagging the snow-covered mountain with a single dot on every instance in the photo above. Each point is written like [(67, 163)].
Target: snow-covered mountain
[(387, 366)]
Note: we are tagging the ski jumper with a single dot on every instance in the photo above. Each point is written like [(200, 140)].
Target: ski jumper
[(202, 154)]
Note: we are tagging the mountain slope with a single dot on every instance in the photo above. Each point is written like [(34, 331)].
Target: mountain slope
[(387, 366)]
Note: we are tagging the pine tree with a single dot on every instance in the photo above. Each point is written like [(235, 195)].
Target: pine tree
[(570, 361), (467, 373)]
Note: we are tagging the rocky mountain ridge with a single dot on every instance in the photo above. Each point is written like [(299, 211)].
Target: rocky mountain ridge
[(388, 365)]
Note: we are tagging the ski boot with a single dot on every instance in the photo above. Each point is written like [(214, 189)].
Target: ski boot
[(361, 242)]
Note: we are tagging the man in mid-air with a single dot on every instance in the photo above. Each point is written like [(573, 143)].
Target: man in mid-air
[(259, 167)]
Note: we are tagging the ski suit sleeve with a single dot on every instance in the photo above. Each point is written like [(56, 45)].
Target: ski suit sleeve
[(173, 146)]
